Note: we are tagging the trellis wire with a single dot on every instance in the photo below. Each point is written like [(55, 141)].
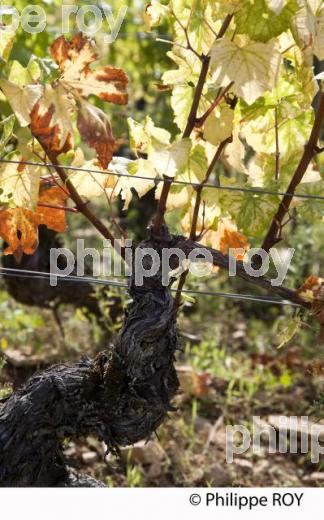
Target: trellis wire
[(22, 273), (25, 273), (173, 181)]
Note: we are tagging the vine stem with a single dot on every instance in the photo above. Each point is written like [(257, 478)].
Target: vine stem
[(221, 260), (201, 120), (192, 120), (193, 231), (82, 206), (159, 218), (273, 235), (185, 30), (61, 208), (277, 154), (199, 188)]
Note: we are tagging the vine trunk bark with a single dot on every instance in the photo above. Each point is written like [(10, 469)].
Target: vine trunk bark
[(121, 396)]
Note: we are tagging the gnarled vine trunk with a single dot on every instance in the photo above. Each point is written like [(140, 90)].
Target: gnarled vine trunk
[(121, 396)]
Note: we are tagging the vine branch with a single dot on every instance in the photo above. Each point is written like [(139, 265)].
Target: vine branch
[(193, 231), (201, 120), (223, 261), (199, 188), (310, 150), (159, 218), (277, 154), (191, 123), (81, 206), (61, 208)]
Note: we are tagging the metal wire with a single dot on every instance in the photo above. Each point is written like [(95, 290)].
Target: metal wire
[(25, 273), (173, 181)]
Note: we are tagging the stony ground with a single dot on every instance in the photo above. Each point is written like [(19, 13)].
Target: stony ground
[(190, 448), (223, 381)]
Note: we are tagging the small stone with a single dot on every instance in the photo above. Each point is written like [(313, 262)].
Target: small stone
[(144, 452), (70, 452), (96, 445), (244, 464), (89, 457), (219, 438), (197, 476), (203, 429), (261, 467), (155, 470), (317, 476), (217, 476)]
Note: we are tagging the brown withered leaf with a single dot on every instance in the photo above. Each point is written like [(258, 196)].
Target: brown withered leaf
[(51, 121), (53, 218), (231, 238), (310, 288), (193, 382), (18, 227), (74, 59), (64, 52), (163, 88), (312, 291), (51, 116), (96, 131), (315, 368), (226, 237)]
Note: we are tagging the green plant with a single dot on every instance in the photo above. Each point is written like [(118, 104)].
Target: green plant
[(241, 154)]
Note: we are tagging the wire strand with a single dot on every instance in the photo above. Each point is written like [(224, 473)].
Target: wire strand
[(25, 273), (173, 181)]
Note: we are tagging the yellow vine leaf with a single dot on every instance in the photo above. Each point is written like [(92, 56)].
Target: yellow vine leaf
[(88, 185), (126, 185), (308, 26), (168, 160), (219, 124), (21, 98), (6, 42), (19, 184), (253, 67), (234, 153), (145, 136), (153, 14), (276, 5)]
